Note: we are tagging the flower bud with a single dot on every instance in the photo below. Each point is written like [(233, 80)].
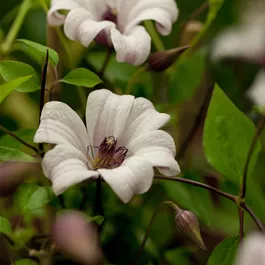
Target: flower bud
[(160, 61), (189, 224), (74, 235)]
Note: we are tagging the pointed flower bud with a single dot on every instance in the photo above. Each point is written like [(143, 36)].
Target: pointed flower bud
[(74, 235), (189, 224), (160, 61)]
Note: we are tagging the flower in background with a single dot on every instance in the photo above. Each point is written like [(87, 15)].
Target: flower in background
[(121, 143), (115, 22), (246, 40), (252, 252)]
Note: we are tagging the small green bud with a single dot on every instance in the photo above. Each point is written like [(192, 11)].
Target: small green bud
[(189, 224), (160, 61)]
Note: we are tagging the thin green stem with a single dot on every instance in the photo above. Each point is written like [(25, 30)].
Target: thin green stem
[(169, 204), (154, 35), (14, 30), (82, 96), (250, 152), (134, 78), (5, 130), (105, 63)]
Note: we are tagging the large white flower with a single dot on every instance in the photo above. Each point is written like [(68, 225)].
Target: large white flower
[(252, 252), (116, 21), (121, 144)]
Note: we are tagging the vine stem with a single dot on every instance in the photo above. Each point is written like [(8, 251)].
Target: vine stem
[(183, 148), (243, 189), (98, 202), (201, 185), (12, 34), (169, 204), (42, 91), (221, 193), (5, 130), (251, 149), (105, 63), (134, 78)]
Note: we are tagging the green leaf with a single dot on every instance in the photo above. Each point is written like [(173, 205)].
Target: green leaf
[(5, 227), (11, 70), (26, 135), (81, 77), (225, 252), (30, 197), (38, 51), (187, 76), (7, 88), (10, 154), (227, 138), (97, 219), (24, 262), (23, 235)]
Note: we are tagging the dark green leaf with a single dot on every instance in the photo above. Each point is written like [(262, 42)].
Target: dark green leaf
[(11, 70), (30, 47), (7, 88), (81, 77), (24, 262), (225, 252), (187, 76), (10, 154), (227, 138), (5, 227), (30, 197)]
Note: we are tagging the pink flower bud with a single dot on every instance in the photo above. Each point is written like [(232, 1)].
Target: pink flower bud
[(75, 236), (160, 61), (189, 224)]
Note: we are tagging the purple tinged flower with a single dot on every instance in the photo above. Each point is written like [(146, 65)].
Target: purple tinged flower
[(114, 22)]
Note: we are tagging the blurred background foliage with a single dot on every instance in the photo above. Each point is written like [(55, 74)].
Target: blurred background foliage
[(179, 91)]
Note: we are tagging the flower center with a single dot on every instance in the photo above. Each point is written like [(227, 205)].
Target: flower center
[(110, 15), (108, 155)]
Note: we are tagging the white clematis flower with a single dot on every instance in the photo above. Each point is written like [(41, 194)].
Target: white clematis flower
[(121, 143), (252, 252), (246, 40), (114, 22)]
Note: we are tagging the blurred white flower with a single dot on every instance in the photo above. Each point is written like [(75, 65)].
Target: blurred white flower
[(115, 22), (122, 143), (252, 252), (246, 40), (257, 90)]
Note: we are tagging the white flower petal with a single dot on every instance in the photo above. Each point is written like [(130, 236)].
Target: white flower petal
[(244, 41), (252, 252), (80, 26), (61, 125), (163, 12), (95, 9), (106, 115), (134, 176), (65, 166), (257, 90), (134, 47), (142, 119), (158, 148)]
